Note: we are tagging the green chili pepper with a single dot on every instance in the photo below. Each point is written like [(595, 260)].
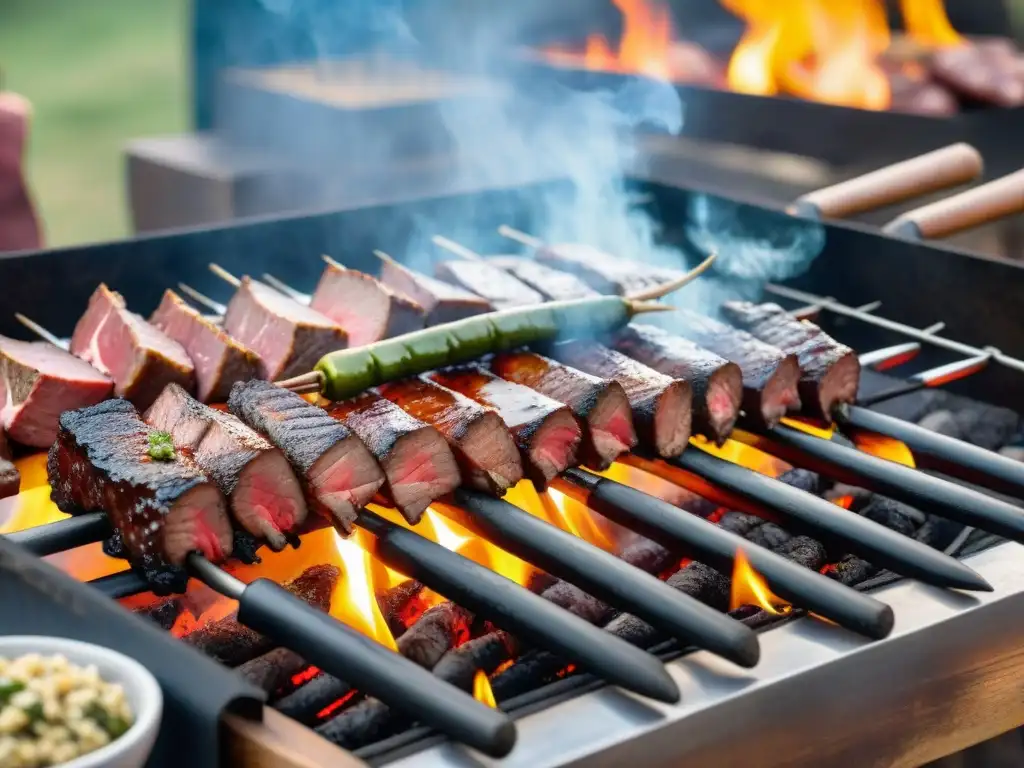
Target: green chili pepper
[(161, 446)]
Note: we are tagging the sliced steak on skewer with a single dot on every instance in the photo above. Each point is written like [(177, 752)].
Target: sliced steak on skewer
[(501, 289), (419, 467), (265, 496), (605, 273), (552, 284), (546, 432), (289, 337), (220, 361), (139, 358), (366, 308), (339, 474), (601, 405), (770, 376), (717, 384), (39, 381), (10, 478), (830, 371), (487, 454), (661, 404), (442, 302), (163, 508)]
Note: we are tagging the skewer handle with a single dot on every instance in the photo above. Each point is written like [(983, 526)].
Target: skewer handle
[(989, 202), (224, 275), (457, 248), (520, 237), (943, 168)]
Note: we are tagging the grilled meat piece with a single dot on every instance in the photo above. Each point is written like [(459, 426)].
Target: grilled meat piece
[(367, 309), (829, 371), (770, 376), (220, 361), (546, 432), (288, 337), (717, 384), (163, 510), (419, 467), (38, 381), (487, 455), (10, 478), (600, 405), (496, 285), (661, 404), (605, 273), (265, 496), (552, 284), (442, 302), (139, 358), (339, 474)]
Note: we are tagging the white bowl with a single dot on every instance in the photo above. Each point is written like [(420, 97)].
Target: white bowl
[(145, 698)]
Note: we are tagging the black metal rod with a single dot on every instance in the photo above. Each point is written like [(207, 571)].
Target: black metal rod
[(906, 484), (831, 523), (514, 608), (603, 575), (62, 535), (704, 541), (123, 584), (942, 453)]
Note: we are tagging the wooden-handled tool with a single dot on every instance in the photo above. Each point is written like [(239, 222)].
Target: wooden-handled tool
[(943, 168), (999, 198)]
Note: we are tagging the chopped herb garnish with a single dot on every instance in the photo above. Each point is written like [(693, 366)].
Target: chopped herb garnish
[(161, 446), (34, 712), (8, 688), (112, 724)]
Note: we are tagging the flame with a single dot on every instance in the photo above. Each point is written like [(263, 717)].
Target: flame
[(578, 519), (450, 535), (482, 689), (645, 43), (354, 600), (745, 455), (883, 446), (748, 588), (927, 23), (843, 501)]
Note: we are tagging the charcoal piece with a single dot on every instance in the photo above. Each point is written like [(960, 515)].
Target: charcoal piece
[(938, 532), (232, 643), (531, 670), (858, 498), (985, 425), (892, 514), (163, 612), (804, 479), (394, 602), (647, 555), (273, 670), (769, 535), (367, 722), (437, 631), (305, 703), (740, 523), (851, 570), (805, 551), (576, 601), (943, 422), (487, 652)]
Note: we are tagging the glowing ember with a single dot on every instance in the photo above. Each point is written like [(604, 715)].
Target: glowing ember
[(748, 588), (843, 501), (482, 689)]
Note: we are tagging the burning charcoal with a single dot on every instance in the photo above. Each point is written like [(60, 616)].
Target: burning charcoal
[(38, 381), (394, 603), (530, 671), (442, 302), (554, 284), (232, 643), (273, 670), (854, 499), (10, 478), (851, 570), (487, 652), (803, 479), (163, 613), (600, 405), (740, 523), (662, 405), (805, 551), (769, 535), (576, 601), (438, 630), (882, 509), (829, 371), (419, 467), (647, 555), (367, 722), (943, 422), (306, 703), (985, 425), (938, 532), (491, 282)]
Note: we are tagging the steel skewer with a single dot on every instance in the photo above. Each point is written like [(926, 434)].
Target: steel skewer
[(758, 494), (708, 543)]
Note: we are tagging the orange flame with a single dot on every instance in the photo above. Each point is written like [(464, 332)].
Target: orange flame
[(645, 43), (748, 588), (883, 446), (745, 455), (482, 689), (927, 23)]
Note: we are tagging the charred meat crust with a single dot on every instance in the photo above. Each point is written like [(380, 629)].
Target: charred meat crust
[(661, 404), (605, 273), (288, 337), (600, 405), (38, 381), (10, 478), (552, 284), (308, 436), (487, 455), (343, 295), (830, 371), (545, 431), (419, 467), (769, 374), (163, 509), (442, 302), (500, 288), (220, 361), (717, 384), (139, 358)]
